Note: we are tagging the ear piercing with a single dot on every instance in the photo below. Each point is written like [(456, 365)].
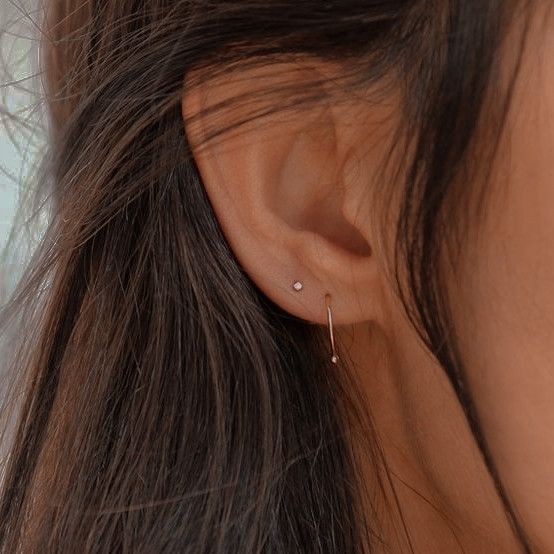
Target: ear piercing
[(298, 286)]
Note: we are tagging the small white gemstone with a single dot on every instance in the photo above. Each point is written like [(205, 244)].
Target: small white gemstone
[(298, 286), (334, 358)]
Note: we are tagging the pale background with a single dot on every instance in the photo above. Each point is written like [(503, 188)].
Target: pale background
[(19, 143)]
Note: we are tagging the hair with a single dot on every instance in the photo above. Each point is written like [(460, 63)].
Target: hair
[(159, 401)]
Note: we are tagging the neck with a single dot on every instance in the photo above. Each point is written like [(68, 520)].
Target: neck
[(434, 467)]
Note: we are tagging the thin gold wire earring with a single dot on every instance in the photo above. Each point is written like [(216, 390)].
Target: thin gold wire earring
[(334, 356)]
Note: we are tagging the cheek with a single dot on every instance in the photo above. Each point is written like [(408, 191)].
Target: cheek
[(506, 315)]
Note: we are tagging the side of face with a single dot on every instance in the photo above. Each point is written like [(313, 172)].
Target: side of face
[(294, 198), (505, 304)]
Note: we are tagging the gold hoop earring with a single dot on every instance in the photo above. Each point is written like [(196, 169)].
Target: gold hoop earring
[(334, 356)]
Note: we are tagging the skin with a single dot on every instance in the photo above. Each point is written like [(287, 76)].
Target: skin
[(298, 199)]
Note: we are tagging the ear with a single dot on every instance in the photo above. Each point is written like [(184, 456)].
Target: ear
[(288, 190)]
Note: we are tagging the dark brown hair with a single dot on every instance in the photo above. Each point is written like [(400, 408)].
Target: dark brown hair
[(160, 402)]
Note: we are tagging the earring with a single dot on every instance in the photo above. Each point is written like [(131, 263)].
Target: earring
[(334, 356), (297, 286)]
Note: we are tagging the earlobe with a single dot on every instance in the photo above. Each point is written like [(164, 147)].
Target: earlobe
[(278, 191)]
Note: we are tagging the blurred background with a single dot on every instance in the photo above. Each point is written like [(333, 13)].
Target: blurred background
[(20, 131)]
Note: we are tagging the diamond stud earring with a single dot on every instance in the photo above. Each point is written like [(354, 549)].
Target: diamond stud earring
[(297, 286)]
